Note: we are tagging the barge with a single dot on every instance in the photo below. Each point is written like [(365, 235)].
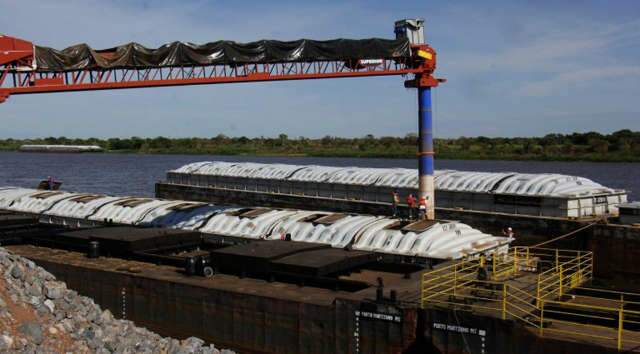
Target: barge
[(289, 297), (60, 148), (549, 195), (391, 237)]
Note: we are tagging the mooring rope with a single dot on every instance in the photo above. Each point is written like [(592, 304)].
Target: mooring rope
[(565, 235)]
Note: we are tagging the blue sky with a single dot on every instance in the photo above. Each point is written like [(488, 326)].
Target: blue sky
[(514, 68)]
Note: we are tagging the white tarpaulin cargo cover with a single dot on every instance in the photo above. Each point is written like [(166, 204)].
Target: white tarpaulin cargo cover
[(365, 232), (128, 211), (10, 194), (38, 201), (80, 206), (544, 184)]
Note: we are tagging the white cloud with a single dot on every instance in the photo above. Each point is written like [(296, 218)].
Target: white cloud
[(577, 79), (550, 52)]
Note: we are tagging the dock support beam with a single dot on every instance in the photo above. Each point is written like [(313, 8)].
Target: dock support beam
[(425, 150)]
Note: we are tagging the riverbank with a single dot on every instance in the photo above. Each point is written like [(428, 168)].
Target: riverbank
[(463, 156), (621, 146)]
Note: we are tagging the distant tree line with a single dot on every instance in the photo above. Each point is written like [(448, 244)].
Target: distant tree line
[(623, 145)]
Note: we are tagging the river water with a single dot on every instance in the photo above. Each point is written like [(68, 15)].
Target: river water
[(136, 174)]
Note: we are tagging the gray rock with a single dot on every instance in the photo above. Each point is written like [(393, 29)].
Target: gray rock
[(70, 296), (67, 324), (34, 300), (95, 343), (6, 342), (110, 344), (29, 278), (42, 310), (105, 318), (50, 305), (17, 272), (29, 348), (192, 344), (33, 331), (103, 350), (54, 290), (44, 275), (79, 317), (209, 350), (34, 289), (91, 315), (21, 343), (30, 264)]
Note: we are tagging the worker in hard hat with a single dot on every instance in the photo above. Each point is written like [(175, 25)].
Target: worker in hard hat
[(411, 203), (395, 200), (509, 233), (422, 208)]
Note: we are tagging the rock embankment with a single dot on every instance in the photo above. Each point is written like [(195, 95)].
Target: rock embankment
[(38, 314)]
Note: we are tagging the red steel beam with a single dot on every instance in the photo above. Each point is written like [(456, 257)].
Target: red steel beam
[(18, 77), (58, 85)]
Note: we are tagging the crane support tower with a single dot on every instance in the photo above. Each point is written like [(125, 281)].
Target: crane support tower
[(413, 30), (24, 71)]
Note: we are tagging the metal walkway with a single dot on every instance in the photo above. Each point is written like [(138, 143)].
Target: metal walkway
[(542, 289)]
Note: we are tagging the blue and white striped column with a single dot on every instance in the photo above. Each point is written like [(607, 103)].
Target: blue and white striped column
[(425, 152)]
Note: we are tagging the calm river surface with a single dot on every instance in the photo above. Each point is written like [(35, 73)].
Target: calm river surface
[(134, 174)]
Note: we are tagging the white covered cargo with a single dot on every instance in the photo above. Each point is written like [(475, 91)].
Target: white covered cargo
[(8, 195), (365, 232), (38, 201), (544, 194)]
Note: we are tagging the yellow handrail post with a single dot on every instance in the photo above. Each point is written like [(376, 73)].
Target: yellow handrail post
[(504, 301), (541, 318), (515, 262), (455, 279), (592, 265), (527, 259), (620, 326), (561, 282), (482, 261), (538, 292), (493, 260)]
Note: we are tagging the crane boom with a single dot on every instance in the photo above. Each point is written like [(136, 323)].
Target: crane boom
[(20, 74)]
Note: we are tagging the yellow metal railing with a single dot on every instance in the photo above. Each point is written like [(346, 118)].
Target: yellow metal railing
[(483, 284)]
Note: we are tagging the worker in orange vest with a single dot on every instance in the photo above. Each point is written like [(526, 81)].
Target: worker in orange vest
[(411, 203), (395, 200), (423, 208)]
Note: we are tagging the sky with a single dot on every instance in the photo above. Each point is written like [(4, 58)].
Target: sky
[(514, 68)]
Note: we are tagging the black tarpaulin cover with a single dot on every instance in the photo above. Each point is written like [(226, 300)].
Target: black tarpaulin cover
[(134, 55)]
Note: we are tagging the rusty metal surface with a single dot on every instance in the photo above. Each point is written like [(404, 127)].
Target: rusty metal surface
[(268, 249), (128, 239), (458, 332), (419, 226), (223, 282), (244, 314)]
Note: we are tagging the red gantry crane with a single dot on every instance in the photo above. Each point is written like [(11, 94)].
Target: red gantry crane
[(28, 69)]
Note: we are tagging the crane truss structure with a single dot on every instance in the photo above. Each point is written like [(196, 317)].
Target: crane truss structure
[(20, 75)]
